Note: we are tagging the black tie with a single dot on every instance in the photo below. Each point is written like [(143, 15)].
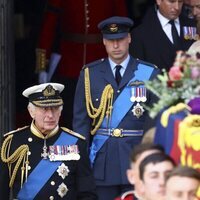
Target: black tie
[(118, 76), (175, 35)]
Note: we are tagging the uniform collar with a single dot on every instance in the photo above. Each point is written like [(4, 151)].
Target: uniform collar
[(37, 133), (123, 64)]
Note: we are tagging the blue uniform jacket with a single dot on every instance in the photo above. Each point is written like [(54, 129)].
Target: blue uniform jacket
[(112, 160)]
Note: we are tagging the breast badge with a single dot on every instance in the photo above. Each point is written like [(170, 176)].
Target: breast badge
[(62, 190), (63, 171), (138, 110)]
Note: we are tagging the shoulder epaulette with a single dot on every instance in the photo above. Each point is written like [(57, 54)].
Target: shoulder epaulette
[(92, 64), (16, 130), (72, 133), (146, 63)]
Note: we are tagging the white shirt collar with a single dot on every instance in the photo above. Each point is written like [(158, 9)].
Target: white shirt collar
[(164, 21), (123, 64), (166, 26)]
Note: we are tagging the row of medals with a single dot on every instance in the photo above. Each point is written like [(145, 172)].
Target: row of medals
[(190, 33), (138, 95)]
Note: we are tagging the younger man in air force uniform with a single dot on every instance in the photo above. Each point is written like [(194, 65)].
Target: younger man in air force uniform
[(45, 161), (108, 107)]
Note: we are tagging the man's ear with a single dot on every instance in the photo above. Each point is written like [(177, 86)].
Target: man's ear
[(131, 176), (129, 37)]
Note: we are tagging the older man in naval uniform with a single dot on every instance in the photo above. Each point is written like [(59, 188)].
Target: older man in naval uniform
[(43, 160)]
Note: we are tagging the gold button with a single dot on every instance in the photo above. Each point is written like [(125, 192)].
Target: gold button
[(51, 197), (30, 139)]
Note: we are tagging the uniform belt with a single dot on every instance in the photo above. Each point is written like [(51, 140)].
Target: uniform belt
[(82, 38), (119, 132)]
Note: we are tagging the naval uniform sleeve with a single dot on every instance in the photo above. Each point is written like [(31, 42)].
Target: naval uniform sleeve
[(81, 120), (85, 180)]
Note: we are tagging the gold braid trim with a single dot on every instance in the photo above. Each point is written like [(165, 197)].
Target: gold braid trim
[(105, 106), (21, 154)]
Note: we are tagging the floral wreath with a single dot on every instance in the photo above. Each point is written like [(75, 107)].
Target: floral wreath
[(180, 84)]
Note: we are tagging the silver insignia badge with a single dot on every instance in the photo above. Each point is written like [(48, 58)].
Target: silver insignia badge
[(138, 110), (62, 190), (63, 170)]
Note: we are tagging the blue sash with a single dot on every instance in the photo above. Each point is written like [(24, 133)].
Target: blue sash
[(121, 106), (43, 171)]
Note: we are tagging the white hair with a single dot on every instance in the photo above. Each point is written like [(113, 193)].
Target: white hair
[(32, 106)]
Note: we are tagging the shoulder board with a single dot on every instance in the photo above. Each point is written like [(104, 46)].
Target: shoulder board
[(125, 194), (146, 63), (73, 133), (14, 131), (92, 64)]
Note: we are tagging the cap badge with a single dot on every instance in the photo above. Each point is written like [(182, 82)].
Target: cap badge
[(49, 91), (62, 190), (63, 170), (113, 28)]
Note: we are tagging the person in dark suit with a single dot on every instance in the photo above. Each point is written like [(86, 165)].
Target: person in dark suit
[(43, 160), (156, 40), (108, 108)]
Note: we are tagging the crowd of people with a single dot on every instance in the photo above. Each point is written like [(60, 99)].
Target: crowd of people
[(92, 161)]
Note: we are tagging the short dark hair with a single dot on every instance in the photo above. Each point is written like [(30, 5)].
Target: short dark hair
[(154, 158), (140, 148), (184, 171)]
